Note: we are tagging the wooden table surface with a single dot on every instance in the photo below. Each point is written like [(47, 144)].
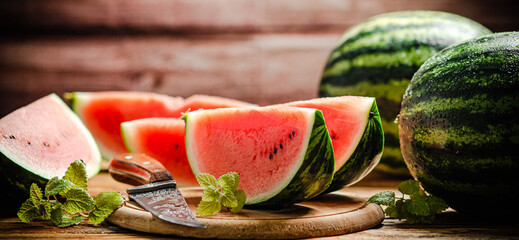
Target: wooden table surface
[(448, 225)]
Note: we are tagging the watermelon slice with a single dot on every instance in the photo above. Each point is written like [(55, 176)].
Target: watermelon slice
[(356, 130), (162, 139), (38, 142), (103, 113), (284, 155)]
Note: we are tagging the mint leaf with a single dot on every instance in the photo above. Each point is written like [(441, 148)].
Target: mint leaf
[(28, 211), (418, 208), (57, 186), (56, 214), (206, 208), (383, 198), (106, 203), (218, 192), (45, 210), (70, 221), (78, 200), (418, 205), (211, 193), (205, 180), (229, 181), (409, 187), (76, 174), (35, 194), (229, 200), (436, 204), (240, 196)]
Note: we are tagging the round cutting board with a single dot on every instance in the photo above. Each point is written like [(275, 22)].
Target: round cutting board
[(327, 215)]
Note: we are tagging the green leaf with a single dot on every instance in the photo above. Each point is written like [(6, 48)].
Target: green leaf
[(67, 221), (206, 208), (418, 205), (106, 203), (229, 181), (409, 187), (78, 200), (436, 204), (383, 198), (35, 193), (397, 210), (28, 211), (229, 200), (56, 214), (240, 196), (76, 174), (211, 193), (45, 210), (57, 186), (205, 180)]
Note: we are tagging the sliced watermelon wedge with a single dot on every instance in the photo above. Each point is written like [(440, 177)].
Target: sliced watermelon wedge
[(103, 113), (355, 127), (284, 155), (162, 139), (38, 142)]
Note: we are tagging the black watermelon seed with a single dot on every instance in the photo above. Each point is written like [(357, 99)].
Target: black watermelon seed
[(176, 146), (271, 156), (12, 137), (290, 136), (275, 150), (280, 146), (28, 142), (333, 137), (293, 133)]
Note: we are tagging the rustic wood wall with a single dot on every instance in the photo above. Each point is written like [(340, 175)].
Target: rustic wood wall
[(261, 51)]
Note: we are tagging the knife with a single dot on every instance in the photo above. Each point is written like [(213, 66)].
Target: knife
[(155, 191)]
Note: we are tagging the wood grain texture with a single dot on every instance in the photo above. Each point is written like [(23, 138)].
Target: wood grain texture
[(258, 68), (329, 215), (448, 225), (232, 15)]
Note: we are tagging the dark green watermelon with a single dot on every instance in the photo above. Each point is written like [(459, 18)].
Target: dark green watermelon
[(458, 124), (378, 57)]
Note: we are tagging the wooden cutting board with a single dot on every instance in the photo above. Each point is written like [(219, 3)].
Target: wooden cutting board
[(331, 214)]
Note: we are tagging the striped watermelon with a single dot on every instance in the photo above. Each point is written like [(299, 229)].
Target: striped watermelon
[(458, 124), (378, 57)]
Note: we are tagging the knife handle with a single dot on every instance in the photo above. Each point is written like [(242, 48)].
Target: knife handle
[(137, 169)]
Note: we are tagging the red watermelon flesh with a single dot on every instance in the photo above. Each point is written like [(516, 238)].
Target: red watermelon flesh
[(265, 145), (103, 112), (162, 139), (197, 102), (346, 119), (45, 136)]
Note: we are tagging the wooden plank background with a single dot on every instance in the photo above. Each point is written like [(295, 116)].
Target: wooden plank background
[(258, 51)]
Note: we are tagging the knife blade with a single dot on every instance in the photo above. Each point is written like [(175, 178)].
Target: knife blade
[(155, 189)]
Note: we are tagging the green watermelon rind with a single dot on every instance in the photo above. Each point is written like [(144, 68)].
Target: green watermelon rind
[(378, 58), (366, 155), (312, 177), (315, 173), (458, 128)]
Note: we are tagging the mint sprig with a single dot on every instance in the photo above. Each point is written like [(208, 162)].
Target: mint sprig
[(419, 207), (217, 192), (66, 201)]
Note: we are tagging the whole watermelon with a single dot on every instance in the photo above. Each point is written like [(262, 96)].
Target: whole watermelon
[(377, 58), (458, 124)]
